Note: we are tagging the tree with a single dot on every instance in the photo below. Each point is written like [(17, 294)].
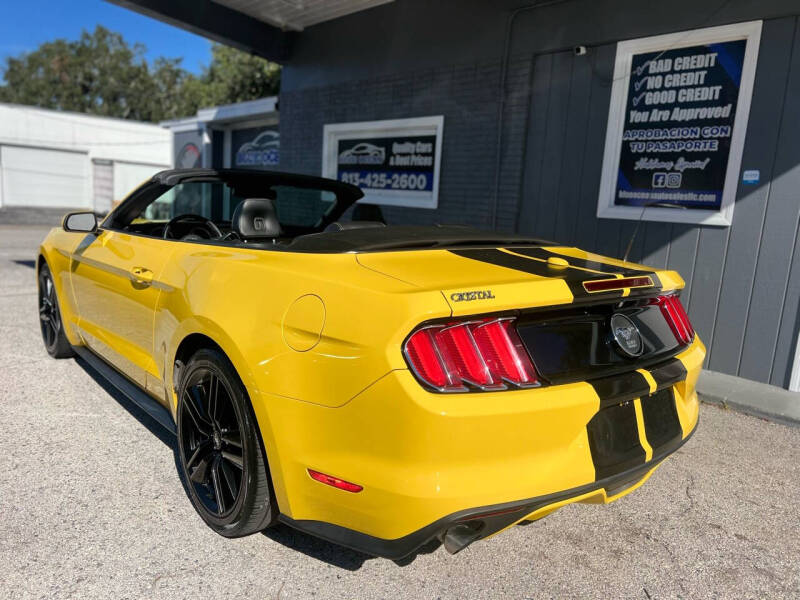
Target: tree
[(101, 74), (235, 76)]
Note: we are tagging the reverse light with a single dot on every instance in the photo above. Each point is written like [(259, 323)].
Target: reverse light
[(486, 354), (676, 317), (334, 481)]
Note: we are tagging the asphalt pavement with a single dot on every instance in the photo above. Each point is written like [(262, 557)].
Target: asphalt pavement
[(91, 506)]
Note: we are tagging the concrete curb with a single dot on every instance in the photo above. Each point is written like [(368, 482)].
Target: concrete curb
[(750, 397)]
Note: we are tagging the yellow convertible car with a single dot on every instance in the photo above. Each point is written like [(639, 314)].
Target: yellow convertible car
[(381, 387)]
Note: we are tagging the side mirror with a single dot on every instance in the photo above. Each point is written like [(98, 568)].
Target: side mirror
[(80, 222)]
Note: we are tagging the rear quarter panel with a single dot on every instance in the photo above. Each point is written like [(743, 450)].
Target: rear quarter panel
[(239, 298)]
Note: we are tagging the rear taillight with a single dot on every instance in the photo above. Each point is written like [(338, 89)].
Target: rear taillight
[(676, 317), (486, 354)]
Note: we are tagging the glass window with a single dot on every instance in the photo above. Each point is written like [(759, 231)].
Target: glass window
[(299, 209), (196, 198), (302, 207)]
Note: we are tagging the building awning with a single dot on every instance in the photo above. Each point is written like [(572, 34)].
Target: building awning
[(296, 15), (262, 27)]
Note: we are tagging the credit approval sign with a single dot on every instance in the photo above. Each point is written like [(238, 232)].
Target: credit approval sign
[(676, 126)]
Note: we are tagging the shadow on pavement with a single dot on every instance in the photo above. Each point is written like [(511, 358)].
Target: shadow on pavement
[(317, 548), (311, 546), (334, 554), (26, 263), (137, 413)]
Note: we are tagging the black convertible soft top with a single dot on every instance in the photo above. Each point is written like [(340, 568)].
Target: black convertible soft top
[(405, 237)]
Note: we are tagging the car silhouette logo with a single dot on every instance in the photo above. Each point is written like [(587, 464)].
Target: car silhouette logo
[(265, 140), (264, 150), (363, 154)]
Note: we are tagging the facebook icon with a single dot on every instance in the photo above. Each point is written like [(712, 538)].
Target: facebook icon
[(659, 180)]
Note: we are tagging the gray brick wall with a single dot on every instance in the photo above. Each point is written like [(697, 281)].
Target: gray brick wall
[(467, 95)]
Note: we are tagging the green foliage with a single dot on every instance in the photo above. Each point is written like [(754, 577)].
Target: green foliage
[(235, 76), (102, 74)]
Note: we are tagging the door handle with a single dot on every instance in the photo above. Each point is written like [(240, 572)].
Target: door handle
[(142, 275)]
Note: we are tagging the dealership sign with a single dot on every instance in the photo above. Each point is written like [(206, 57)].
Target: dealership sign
[(262, 148), (394, 162), (678, 115)]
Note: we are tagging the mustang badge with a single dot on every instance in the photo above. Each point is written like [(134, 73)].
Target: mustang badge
[(626, 335)]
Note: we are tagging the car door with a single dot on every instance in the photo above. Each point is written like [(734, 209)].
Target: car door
[(115, 278)]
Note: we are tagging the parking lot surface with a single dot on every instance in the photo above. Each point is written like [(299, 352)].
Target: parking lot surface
[(91, 506)]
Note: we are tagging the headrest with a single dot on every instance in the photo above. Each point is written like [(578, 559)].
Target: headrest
[(347, 225), (255, 218)]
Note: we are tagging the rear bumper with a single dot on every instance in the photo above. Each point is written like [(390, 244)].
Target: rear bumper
[(459, 530), (430, 462)]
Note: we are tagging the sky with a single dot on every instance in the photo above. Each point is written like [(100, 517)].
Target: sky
[(25, 25)]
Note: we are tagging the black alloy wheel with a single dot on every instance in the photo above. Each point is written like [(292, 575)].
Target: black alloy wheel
[(220, 449), (212, 441), (55, 341)]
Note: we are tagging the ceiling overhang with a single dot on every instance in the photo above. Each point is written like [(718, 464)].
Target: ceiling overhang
[(262, 27), (296, 15)]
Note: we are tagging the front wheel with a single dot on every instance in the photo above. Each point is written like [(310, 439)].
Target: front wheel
[(53, 336), (220, 449)]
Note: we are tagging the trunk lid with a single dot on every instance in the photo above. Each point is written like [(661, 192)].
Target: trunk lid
[(483, 279)]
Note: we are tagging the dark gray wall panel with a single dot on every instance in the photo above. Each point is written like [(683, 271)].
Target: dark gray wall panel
[(656, 244), (769, 288), (712, 248), (549, 196), (396, 37), (536, 146), (684, 241), (515, 126), (573, 161), (789, 324), (748, 219), (768, 313), (601, 68)]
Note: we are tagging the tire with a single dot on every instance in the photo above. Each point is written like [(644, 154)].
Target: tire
[(221, 454), (53, 336)]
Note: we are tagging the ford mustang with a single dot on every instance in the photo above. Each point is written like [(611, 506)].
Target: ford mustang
[(381, 387)]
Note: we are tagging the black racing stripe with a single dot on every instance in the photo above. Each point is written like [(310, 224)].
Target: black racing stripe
[(620, 388), (543, 254), (572, 277), (614, 440), (613, 432), (668, 374), (594, 265), (661, 423)]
